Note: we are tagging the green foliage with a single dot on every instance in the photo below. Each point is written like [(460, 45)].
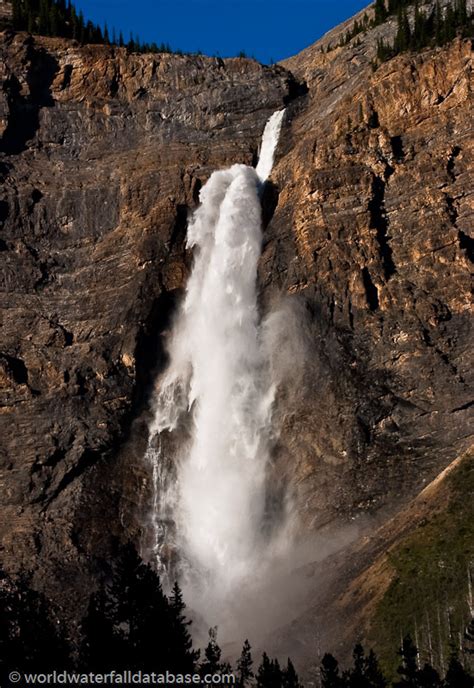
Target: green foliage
[(430, 29), (380, 12), (356, 29), (427, 597), (433, 29), (384, 51), (403, 37), (365, 671), (56, 18), (131, 624)]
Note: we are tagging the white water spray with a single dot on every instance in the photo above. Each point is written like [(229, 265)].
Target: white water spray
[(211, 507)]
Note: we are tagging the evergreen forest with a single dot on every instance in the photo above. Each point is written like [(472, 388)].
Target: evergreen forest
[(131, 624), (417, 28), (61, 18)]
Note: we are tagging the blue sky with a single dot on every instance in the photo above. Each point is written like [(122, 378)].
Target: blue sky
[(265, 29)]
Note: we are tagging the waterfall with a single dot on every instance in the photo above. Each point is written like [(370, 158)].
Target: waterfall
[(269, 142), (208, 506)]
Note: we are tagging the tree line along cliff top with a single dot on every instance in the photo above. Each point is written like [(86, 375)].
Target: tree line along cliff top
[(420, 24)]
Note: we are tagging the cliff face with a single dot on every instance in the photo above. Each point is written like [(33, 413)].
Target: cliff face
[(373, 230), (369, 222), (102, 154)]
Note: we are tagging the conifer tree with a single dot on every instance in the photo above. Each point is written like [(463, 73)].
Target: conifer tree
[(31, 637), (408, 667), (103, 644), (212, 655), (182, 655), (143, 609), (403, 37), (88, 32), (54, 20), (380, 12), (264, 673), (365, 672), (438, 22), (290, 677), (428, 677), (269, 674), (456, 675), (373, 673), (417, 38), (81, 33), (131, 45), (449, 23), (330, 677), (43, 20), (244, 666), (132, 624), (155, 630), (16, 13), (31, 23)]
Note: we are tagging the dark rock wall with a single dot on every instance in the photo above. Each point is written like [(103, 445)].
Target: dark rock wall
[(102, 155)]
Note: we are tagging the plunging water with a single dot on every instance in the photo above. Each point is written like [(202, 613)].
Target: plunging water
[(208, 506)]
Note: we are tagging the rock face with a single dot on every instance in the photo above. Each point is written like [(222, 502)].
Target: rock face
[(369, 232), (102, 154), (373, 232), (373, 229)]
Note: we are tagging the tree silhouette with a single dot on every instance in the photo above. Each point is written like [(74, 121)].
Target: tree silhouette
[(103, 645), (212, 655), (380, 12), (456, 675), (182, 655), (428, 677), (365, 672), (330, 677), (244, 666), (290, 677), (56, 18), (373, 673), (31, 637), (269, 674), (408, 668), (137, 624)]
